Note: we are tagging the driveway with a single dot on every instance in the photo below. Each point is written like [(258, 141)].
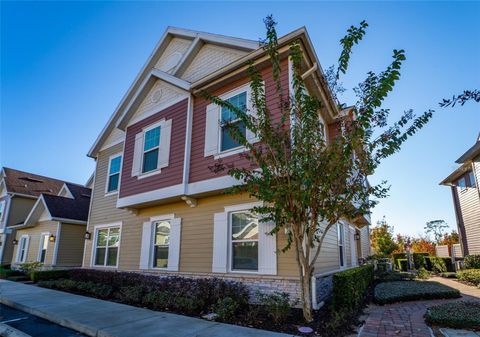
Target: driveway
[(406, 318)]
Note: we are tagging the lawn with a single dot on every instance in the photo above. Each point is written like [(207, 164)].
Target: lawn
[(391, 292)]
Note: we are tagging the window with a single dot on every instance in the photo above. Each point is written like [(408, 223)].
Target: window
[(151, 147), (43, 246), (2, 208), (114, 173), (22, 249), (229, 122), (244, 241), (106, 246), (161, 242), (471, 178), (462, 183), (341, 244)]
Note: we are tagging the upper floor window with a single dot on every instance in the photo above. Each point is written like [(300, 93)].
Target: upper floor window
[(151, 147), (161, 242), (229, 121), (244, 241), (2, 209), (471, 179), (462, 183), (114, 173)]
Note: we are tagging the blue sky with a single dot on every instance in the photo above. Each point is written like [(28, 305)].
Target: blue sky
[(66, 65)]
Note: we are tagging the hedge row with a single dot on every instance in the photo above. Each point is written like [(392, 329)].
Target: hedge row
[(45, 275), (462, 315), (470, 275), (472, 262), (349, 286), (391, 292)]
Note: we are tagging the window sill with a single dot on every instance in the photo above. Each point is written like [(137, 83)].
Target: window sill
[(230, 152), (104, 267), (149, 174), (107, 194)]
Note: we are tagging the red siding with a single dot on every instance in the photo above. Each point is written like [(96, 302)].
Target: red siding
[(171, 175), (199, 165)]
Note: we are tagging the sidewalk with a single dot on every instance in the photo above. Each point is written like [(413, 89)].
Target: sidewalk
[(99, 318)]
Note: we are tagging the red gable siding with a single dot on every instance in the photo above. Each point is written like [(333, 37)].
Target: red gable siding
[(199, 165), (171, 175)]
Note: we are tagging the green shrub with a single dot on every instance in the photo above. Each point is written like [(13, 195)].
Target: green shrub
[(423, 274), (130, 294), (396, 257), (6, 273), (436, 264), (277, 305), (402, 264), (469, 275), (419, 260), (226, 308), (472, 261), (44, 275), (18, 278), (449, 274), (394, 276), (29, 267), (158, 300), (390, 292), (187, 305), (349, 286), (462, 315)]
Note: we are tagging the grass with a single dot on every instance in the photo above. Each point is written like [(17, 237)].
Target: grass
[(400, 291), (462, 315)]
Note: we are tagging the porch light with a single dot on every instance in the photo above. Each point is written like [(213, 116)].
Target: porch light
[(51, 238), (357, 236), (15, 242), (88, 235)]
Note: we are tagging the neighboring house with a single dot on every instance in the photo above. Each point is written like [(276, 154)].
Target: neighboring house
[(156, 205), (465, 185), (18, 193), (54, 231)]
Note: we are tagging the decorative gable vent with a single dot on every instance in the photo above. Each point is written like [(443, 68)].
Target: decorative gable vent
[(171, 62)]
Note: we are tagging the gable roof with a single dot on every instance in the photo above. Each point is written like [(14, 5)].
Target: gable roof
[(65, 209), (146, 75), (471, 153), (465, 166), (29, 184)]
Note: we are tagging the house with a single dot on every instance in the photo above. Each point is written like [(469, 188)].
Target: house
[(54, 231), (19, 191), (158, 208), (465, 185)]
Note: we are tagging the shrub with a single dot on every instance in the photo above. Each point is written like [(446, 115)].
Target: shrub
[(423, 274), (402, 264), (29, 267), (130, 294), (277, 305), (436, 264), (44, 275), (398, 256), (472, 261), (395, 276), (6, 273), (391, 292), (462, 314), (18, 278), (419, 260), (469, 275), (158, 300), (349, 286), (226, 308), (449, 275)]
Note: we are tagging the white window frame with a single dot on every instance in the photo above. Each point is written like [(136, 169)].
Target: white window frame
[(40, 245), (464, 187), (113, 156), (27, 239), (144, 131), (154, 221), (239, 209), (94, 246), (341, 233)]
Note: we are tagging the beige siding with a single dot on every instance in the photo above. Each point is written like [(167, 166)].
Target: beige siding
[(469, 200), (34, 234), (70, 245), (328, 260), (176, 45), (115, 137), (209, 59), (19, 209), (365, 241)]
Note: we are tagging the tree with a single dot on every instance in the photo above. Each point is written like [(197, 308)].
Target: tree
[(466, 96), (423, 245), (435, 228), (382, 240), (449, 239), (285, 164)]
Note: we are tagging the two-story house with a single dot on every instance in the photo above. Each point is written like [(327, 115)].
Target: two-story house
[(465, 186), (158, 208)]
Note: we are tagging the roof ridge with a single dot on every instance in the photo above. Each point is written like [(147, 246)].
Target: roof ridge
[(40, 175)]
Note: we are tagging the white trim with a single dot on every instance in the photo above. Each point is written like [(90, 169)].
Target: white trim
[(156, 109), (112, 144), (157, 124), (70, 221), (27, 242), (188, 144), (188, 57), (30, 215), (162, 217), (57, 243), (232, 210), (162, 193), (229, 152), (341, 226), (68, 193), (113, 156), (242, 207), (40, 245), (94, 244), (213, 184), (175, 81)]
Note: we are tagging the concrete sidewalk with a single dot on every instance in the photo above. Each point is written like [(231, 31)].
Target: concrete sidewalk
[(108, 319)]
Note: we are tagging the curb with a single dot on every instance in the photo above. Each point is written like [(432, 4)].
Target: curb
[(8, 331)]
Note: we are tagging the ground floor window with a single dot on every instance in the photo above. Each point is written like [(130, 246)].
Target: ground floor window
[(244, 241), (106, 246), (22, 249), (43, 246), (161, 243)]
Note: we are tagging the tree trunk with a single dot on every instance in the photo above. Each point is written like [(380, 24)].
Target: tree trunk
[(305, 281)]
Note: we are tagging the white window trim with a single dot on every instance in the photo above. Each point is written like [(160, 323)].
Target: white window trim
[(341, 226), (40, 246), (27, 243), (235, 209), (94, 246), (144, 131), (119, 154), (152, 241)]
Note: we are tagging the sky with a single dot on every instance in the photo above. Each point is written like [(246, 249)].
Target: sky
[(66, 65)]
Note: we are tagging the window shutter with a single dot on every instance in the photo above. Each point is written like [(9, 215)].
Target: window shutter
[(174, 244), (137, 154), (267, 245), (211, 130), (251, 138), (164, 150), (220, 242), (145, 248)]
